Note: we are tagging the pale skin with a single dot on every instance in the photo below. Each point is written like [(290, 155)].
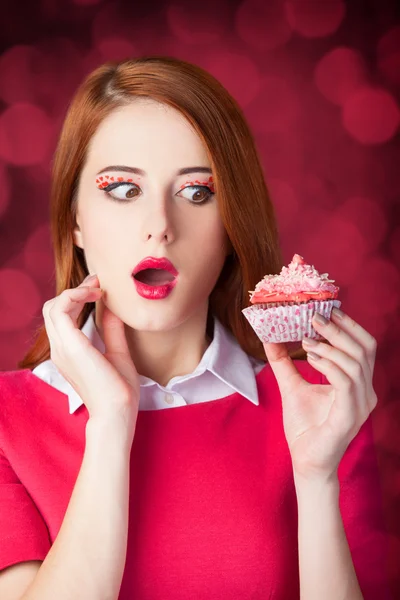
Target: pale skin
[(168, 338), (320, 421)]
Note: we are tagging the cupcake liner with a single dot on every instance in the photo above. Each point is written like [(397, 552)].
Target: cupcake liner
[(290, 322)]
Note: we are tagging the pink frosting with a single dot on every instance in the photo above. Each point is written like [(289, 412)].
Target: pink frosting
[(299, 277)]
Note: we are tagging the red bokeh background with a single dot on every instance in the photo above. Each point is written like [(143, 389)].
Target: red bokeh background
[(319, 83)]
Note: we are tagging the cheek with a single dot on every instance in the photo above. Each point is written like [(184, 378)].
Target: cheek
[(108, 226), (104, 238), (213, 245), (207, 225), (218, 236)]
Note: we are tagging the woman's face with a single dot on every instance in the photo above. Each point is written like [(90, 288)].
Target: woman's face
[(157, 212)]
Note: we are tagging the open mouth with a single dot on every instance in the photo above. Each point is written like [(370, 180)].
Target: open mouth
[(154, 276)]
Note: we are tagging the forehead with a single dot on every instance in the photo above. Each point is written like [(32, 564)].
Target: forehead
[(144, 133)]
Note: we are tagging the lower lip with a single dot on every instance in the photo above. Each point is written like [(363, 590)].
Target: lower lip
[(154, 292)]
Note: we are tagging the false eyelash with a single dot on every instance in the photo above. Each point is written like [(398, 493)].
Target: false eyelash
[(113, 186)]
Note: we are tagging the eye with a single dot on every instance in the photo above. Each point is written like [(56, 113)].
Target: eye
[(201, 195), (122, 191)]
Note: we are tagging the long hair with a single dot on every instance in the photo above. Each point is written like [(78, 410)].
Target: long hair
[(243, 199)]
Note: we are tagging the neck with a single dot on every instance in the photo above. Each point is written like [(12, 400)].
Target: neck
[(162, 355)]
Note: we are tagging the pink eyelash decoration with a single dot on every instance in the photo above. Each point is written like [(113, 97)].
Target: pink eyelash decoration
[(209, 183), (105, 180)]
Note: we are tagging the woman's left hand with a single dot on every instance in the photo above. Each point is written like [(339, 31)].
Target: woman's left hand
[(321, 420)]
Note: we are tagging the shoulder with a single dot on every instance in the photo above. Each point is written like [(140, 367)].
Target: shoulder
[(13, 388), (13, 381), (17, 390), (19, 381)]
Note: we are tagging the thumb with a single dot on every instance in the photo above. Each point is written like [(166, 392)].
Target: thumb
[(282, 365), (116, 345)]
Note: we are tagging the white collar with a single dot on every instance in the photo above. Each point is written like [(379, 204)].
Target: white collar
[(224, 358)]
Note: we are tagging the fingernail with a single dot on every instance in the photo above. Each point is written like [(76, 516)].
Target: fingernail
[(309, 342), (90, 277), (313, 356), (338, 313), (320, 319)]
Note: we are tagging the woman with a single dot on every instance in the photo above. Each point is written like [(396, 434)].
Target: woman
[(149, 448)]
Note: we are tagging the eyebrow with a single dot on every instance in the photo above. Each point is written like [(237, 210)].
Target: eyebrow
[(184, 171)]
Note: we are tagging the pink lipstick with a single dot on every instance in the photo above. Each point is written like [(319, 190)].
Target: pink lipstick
[(151, 284)]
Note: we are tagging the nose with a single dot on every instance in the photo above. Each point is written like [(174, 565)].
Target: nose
[(159, 226)]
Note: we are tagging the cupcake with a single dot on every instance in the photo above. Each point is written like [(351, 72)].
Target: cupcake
[(284, 304)]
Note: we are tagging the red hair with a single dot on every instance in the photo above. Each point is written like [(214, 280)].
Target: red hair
[(243, 199)]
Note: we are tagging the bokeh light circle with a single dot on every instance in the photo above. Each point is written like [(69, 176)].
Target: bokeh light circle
[(110, 20), (286, 202), (238, 73), (282, 154), (57, 74), (41, 74), (371, 115), (342, 241), (19, 299), (38, 254), (388, 55), (5, 189), (339, 73), (379, 281), (26, 135), (203, 24), (18, 66), (315, 19), (369, 217), (115, 48), (262, 25), (275, 107)]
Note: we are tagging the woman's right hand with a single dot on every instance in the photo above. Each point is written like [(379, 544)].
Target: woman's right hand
[(107, 383)]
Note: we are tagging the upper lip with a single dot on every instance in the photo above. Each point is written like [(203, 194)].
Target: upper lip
[(155, 263)]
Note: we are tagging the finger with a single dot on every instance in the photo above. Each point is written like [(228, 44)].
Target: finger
[(50, 330), (113, 331), (282, 366), (340, 339), (344, 333), (89, 281), (79, 297), (116, 344), (351, 367), (82, 295), (93, 279), (65, 310), (346, 406)]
